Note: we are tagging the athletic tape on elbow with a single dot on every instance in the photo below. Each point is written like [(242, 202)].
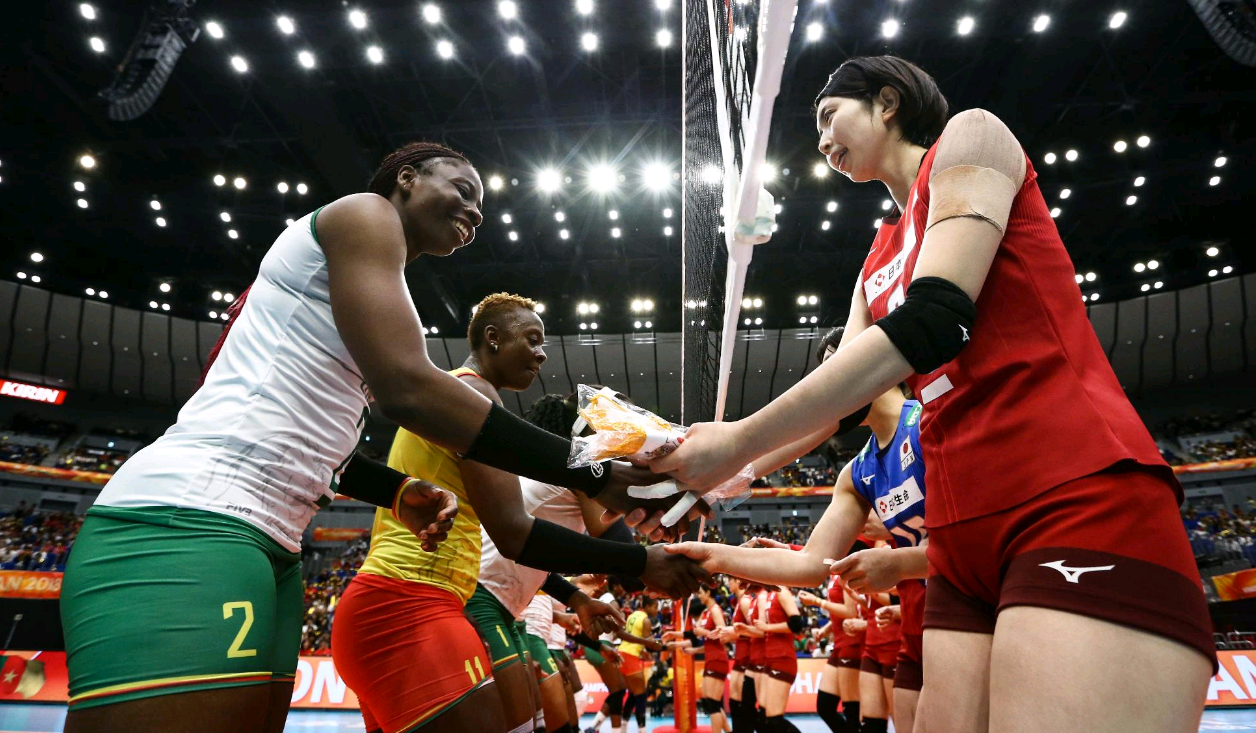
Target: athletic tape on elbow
[(971, 191)]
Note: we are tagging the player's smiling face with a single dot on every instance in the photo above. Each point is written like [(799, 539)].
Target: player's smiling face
[(442, 204), (854, 134)]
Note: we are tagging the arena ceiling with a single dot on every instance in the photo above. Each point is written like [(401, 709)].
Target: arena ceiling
[(1071, 83)]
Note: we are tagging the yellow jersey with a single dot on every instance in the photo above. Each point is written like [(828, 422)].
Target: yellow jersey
[(396, 553), (635, 625)]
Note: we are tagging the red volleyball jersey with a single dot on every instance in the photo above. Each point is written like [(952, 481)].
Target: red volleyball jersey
[(712, 648), (757, 643), (911, 599), (875, 635), (781, 643), (1031, 402), (741, 649)]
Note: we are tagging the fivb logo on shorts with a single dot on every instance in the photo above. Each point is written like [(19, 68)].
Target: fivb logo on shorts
[(895, 502)]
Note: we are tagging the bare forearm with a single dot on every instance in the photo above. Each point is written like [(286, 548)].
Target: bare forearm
[(850, 379), (781, 457), (913, 563), (770, 566), (781, 628)]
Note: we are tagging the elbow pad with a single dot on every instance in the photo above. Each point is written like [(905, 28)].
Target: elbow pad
[(795, 624), (932, 325)]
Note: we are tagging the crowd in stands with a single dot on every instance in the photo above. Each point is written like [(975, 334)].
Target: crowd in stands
[(32, 540), (1178, 448), (99, 460), (31, 455), (323, 589)]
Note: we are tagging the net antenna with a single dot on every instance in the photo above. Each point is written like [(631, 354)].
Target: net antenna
[(740, 46)]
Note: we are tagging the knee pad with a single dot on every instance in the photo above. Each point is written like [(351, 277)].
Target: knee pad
[(778, 724), (826, 708), (615, 703), (874, 725), (710, 706)]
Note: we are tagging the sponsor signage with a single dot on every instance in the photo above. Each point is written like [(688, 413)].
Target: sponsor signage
[(32, 392)]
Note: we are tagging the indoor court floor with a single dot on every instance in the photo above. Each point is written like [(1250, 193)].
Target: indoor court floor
[(29, 718)]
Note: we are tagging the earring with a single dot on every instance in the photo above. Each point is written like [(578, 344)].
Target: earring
[(494, 348)]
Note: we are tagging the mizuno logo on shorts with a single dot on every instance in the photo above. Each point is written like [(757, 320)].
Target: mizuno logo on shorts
[(1072, 574)]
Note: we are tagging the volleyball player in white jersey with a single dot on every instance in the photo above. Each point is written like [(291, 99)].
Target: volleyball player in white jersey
[(191, 553)]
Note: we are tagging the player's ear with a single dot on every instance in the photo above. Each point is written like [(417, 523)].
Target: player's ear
[(889, 100)]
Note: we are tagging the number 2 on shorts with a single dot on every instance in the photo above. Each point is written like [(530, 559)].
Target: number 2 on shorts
[(228, 610)]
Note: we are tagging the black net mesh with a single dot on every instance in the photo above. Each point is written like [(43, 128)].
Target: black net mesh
[(704, 257)]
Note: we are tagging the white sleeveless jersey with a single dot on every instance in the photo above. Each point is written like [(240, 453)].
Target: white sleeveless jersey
[(510, 583), (281, 410), (538, 616), (558, 635)]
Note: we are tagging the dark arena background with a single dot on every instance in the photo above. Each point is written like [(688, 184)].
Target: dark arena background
[(150, 155)]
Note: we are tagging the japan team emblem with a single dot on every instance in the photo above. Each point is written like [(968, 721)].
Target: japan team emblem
[(906, 455)]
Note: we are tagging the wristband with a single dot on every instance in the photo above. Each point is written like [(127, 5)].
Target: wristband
[(559, 550), (587, 641), (692, 637), (511, 444), (371, 482), (794, 623), (557, 587)]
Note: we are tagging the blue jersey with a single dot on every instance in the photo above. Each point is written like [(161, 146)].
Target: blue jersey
[(892, 479)]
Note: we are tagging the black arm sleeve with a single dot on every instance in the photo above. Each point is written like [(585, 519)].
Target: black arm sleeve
[(795, 623), (557, 587), (585, 640), (514, 445), (370, 481), (560, 550), (693, 638)]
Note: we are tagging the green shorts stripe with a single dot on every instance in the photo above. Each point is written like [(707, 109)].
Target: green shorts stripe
[(498, 627), (161, 600)]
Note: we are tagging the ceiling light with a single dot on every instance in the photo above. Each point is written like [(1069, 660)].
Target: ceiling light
[(757, 302), (1214, 180), (966, 25), (548, 180), (233, 234), (87, 11), (802, 300), (283, 187), (1117, 20), (82, 203), (104, 295), (667, 231), (584, 7), (1139, 181), (815, 31), (1070, 155), (1153, 265), (35, 278), (161, 221), (213, 315), (559, 216), (228, 297), (506, 218), (302, 189), (97, 45), (824, 225), (286, 25), (1143, 141), (588, 41), (1049, 158), (36, 257), (667, 213), (1220, 161), (802, 319), (1147, 286), (603, 178), (767, 172), (87, 162), (584, 326), (1041, 22), (155, 204), (1211, 273), (1094, 297), (593, 326), (1065, 193), (636, 324), (515, 45), (1119, 146), (225, 216), (1158, 285), (239, 183), (80, 186), (563, 234), (813, 300), (613, 214), (495, 183), (1090, 277), (889, 28), (886, 204), (220, 180), (746, 322), (431, 13), (357, 19), (152, 304), (876, 223), (1055, 212), (21, 276), (289, 221), (663, 38), (758, 321), (223, 316), (1227, 270), (1139, 267), (1078, 278), (513, 236), (507, 9), (216, 295), (214, 30), (375, 54), (656, 176), (831, 206), (820, 170), (306, 59), (165, 306), (1212, 251), (164, 287), (445, 49), (615, 232), (662, 4), (1131, 200), (239, 64)]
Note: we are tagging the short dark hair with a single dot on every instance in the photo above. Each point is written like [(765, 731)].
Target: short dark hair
[(490, 310), (417, 155), (832, 338), (922, 110)]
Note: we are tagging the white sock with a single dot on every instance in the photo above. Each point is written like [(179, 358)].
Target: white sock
[(597, 722)]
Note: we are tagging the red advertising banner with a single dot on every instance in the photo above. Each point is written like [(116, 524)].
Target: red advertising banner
[(65, 474), (32, 392), (337, 534), (1236, 585), (319, 686), (29, 584)]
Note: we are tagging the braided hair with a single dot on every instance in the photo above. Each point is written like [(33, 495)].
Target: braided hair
[(418, 155), (553, 413)]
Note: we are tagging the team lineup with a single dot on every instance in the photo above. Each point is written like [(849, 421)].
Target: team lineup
[(982, 556)]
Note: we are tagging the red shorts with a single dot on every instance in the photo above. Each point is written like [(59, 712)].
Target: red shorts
[(1110, 546), (784, 669), (879, 659), (406, 649), (717, 668), (849, 649), (631, 664), (908, 671)]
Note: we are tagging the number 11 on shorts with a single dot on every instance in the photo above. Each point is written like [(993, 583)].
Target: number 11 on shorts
[(472, 672), (228, 610)]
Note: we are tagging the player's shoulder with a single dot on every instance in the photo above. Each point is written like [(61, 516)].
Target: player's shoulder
[(350, 217), (978, 137), (481, 385)]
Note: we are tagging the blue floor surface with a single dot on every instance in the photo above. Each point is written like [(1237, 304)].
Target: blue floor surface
[(25, 718)]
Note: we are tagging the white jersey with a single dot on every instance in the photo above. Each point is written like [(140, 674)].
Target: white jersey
[(558, 635), (281, 410), (609, 599), (538, 616), (510, 583)]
